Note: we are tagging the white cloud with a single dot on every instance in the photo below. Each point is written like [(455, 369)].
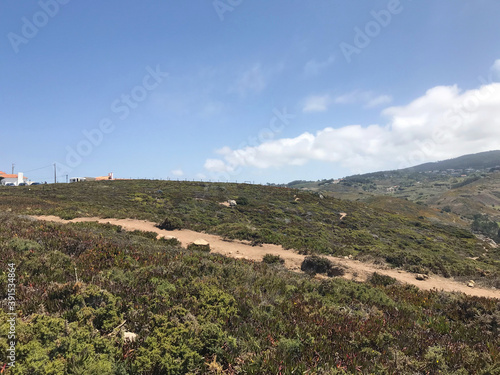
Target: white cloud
[(177, 172), (367, 98), (378, 101), (317, 103), (313, 67), (217, 165), (443, 123), (349, 98)]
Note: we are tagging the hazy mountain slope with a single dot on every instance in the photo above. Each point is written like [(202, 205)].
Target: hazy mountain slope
[(467, 185), (482, 160)]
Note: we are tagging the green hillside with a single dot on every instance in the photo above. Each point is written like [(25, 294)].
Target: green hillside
[(304, 221), (466, 186), (78, 285)]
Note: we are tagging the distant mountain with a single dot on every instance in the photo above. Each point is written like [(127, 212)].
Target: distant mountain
[(482, 160), (465, 186)]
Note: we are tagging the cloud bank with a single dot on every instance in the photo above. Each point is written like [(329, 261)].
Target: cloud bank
[(445, 122)]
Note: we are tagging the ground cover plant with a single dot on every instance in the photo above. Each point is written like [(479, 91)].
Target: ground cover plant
[(196, 312), (305, 221)]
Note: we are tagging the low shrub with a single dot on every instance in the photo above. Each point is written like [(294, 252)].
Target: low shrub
[(150, 235), (171, 223), (199, 247), (170, 241), (336, 271), (22, 245), (273, 259), (314, 264), (382, 280), (242, 201)]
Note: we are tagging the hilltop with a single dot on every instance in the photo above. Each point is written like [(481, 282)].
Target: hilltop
[(419, 240), (473, 162)]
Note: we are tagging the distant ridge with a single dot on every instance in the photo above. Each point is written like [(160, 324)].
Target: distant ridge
[(482, 160)]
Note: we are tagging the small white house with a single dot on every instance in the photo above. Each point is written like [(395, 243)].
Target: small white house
[(16, 179), (109, 177), (77, 179)]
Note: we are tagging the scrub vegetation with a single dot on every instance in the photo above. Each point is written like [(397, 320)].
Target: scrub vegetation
[(195, 312), (305, 221)]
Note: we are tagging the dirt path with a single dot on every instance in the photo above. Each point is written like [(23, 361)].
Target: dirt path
[(240, 249)]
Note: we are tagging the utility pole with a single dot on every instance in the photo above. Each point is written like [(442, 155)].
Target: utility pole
[(13, 168), (55, 174)]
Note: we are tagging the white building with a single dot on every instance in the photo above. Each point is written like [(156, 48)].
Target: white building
[(77, 179), (109, 177), (16, 179)]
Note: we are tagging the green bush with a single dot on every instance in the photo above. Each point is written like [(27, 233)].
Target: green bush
[(170, 241), (171, 223), (19, 244), (199, 247), (314, 264), (145, 234), (242, 201), (273, 259), (382, 280)]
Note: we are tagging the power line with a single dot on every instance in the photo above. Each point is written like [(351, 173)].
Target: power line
[(36, 169)]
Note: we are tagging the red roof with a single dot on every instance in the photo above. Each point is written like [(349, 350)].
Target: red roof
[(4, 175)]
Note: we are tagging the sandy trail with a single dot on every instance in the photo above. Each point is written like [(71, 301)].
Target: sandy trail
[(240, 249)]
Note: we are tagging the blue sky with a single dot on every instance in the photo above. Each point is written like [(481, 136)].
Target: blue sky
[(264, 91)]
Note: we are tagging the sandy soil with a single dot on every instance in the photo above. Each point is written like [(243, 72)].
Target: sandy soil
[(355, 270)]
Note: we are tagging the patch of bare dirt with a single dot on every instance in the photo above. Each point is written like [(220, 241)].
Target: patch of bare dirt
[(356, 270)]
